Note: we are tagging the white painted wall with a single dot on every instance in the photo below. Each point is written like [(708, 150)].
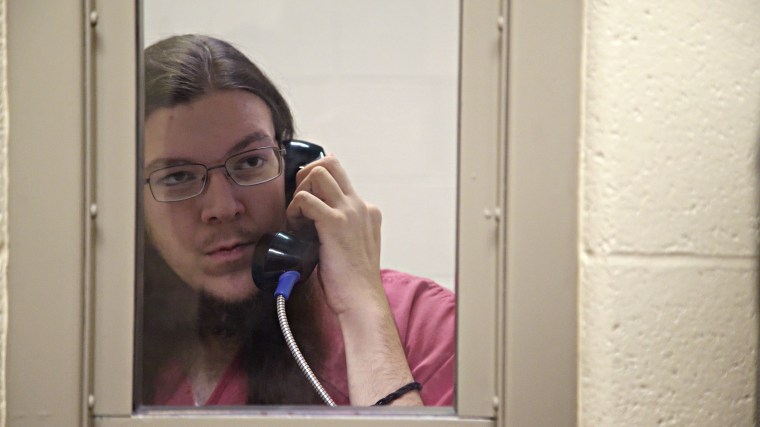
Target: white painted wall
[(373, 81), (669, 210)]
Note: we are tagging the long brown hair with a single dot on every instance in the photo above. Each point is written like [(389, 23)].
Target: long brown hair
[(179, 70)]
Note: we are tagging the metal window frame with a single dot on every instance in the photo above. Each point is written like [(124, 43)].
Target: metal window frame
[(71, 245)]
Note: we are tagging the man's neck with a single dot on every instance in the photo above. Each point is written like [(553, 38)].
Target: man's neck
[(207, 364)]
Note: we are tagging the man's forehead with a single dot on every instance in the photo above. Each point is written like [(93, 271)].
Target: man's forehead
[(214, 125)]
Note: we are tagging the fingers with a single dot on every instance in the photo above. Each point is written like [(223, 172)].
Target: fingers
[(307, 207), (325, 195), (320, 182), (326, 180), (335, 169), (314, 199)]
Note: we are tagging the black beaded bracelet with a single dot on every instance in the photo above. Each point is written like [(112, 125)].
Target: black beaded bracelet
[(398, 393)]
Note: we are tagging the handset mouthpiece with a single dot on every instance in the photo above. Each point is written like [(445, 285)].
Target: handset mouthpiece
[(280, 252)]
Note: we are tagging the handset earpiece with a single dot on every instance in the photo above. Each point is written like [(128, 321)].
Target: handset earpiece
[(292, 251)]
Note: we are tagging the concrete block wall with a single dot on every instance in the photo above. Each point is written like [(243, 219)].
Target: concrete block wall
[(669, 213)]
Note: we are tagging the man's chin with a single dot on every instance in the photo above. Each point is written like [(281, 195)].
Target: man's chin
[(231, 296), (230, 288)]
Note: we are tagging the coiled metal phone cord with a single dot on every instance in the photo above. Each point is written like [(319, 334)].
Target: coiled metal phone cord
[(300, 360)]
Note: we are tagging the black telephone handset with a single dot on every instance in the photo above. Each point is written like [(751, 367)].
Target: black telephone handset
[(291, 251)]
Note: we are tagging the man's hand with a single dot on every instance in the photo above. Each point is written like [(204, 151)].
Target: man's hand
[(349, 274), (349, 234)]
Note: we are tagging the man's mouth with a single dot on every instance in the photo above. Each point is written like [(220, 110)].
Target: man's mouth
[(230, 251)]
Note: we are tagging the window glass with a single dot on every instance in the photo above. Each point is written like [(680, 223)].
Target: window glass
[(373, 83)]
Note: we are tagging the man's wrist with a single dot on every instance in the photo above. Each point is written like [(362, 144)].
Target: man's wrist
[(366, 310)]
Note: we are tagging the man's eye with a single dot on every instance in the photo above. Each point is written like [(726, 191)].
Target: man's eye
[(178, 178), (250, 162)]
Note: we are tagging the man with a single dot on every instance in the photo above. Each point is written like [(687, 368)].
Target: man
[(214, 131)]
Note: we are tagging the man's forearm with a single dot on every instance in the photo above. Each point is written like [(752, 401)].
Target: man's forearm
[(375, 358)]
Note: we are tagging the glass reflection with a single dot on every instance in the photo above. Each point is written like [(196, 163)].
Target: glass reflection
[(209, 335)]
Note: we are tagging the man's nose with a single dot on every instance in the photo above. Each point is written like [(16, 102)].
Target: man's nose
[(220, 199)]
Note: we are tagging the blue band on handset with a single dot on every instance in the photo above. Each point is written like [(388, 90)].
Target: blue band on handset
[(286, 282)]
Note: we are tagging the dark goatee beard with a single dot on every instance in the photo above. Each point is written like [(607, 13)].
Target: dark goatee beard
[(218, 319)]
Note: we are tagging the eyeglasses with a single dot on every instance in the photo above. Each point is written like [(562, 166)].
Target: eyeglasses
[(181, 182)]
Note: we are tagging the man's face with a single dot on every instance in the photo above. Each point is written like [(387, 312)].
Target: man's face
[(208, 240)]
